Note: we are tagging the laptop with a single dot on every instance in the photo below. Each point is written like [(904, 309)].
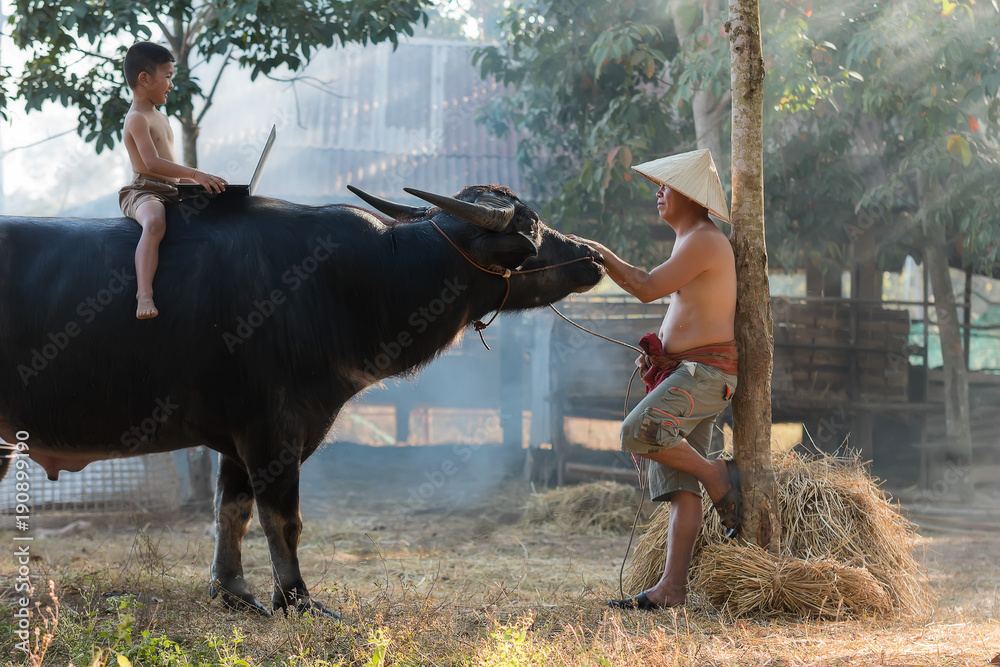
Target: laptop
[(190, 190)]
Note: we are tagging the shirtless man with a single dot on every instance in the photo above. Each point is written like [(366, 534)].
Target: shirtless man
[(149, 71), (689, 367)]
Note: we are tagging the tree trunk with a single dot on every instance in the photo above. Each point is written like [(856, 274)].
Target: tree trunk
[(181, 49), (754, 327), (706, 109), (190, 139), (956, 373)]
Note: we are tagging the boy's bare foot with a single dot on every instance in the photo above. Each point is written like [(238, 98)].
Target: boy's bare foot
[(146, 309)]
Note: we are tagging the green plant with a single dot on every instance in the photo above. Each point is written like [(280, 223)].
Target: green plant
[(227, 651)]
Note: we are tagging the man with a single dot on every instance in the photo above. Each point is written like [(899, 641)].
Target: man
[(689, 368)]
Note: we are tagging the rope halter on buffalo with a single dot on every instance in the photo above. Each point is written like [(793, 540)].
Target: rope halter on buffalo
[(501, 272)]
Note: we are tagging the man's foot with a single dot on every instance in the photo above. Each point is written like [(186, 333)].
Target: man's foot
[(146, 308), (730, 506), (640, 601)]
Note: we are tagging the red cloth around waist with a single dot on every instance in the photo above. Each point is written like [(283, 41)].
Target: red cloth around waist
[(718, 355)]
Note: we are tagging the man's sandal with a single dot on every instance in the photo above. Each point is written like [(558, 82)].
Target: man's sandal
[(730, 506), (640, 601)]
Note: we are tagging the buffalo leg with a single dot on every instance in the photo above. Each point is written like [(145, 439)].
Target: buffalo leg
[(233, 512), (278, 505)]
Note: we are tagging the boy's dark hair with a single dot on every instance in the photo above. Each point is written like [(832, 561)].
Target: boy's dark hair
[(144, 57)]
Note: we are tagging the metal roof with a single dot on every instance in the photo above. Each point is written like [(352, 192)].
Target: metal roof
[(371, 117)]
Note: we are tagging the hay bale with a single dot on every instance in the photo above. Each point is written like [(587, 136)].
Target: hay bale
[(597, 507), (748, 581), (845, 550)]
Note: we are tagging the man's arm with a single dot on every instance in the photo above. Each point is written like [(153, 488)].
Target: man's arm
[(137, 126), (683, 266)]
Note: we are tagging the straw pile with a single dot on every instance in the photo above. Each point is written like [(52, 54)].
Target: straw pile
[(602, 507), (845, 550)]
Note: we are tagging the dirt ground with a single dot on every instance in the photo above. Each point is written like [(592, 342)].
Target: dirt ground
[(439, 525)]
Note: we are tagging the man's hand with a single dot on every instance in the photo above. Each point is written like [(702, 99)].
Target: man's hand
[(211, 183), (593, 245), (642, 361)]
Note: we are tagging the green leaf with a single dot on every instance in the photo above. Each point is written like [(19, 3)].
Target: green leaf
[(73, 60)]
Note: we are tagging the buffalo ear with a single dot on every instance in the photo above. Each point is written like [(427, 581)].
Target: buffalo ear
[(508, 250)]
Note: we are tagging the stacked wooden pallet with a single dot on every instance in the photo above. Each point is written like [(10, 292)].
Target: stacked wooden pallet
[(838, 351)]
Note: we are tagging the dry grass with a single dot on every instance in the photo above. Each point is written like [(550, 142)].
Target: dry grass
[(748, 581), (845, 549), (461, 586), (604, 507)]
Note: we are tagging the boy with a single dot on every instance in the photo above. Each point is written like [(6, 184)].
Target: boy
[(149, 71)]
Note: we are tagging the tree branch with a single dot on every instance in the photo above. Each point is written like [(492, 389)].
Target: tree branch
[(99, 56), (39, 142), (310, 81), (215, 84), (163, 28), (199, 21)]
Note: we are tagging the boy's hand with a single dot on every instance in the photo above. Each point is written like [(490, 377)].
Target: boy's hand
[(211, 183)]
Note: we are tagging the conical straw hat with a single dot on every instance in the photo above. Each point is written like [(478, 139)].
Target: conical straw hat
[(693, 175)]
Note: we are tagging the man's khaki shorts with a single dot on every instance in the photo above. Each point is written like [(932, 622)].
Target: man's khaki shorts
[(684, 406), (143, 189)]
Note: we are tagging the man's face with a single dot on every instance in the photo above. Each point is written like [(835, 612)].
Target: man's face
[(667, 200), (158, 85)]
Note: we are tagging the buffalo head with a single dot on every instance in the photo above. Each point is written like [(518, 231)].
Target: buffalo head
[(496, 230)]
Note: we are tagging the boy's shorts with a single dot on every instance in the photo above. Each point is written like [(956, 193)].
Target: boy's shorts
[(683, 406), (142, 189)]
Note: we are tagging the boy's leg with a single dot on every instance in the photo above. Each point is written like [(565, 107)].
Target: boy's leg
[(151, 216)]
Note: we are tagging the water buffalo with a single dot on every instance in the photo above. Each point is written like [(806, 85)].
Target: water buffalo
[(273, 315)]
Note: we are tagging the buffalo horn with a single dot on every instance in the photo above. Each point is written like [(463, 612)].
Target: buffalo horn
[(390, 208), (493, 216)]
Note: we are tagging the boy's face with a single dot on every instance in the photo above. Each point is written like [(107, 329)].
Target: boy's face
[(157, 86)]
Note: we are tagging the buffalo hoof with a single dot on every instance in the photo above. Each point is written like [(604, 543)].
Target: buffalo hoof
[(318, 609), (236, 596), (303, 604)]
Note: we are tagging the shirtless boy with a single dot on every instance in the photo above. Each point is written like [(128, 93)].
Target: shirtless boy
[(149, 71), (689, 367)]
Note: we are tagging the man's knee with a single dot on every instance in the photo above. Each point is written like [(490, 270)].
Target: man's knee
[(686, 496)]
